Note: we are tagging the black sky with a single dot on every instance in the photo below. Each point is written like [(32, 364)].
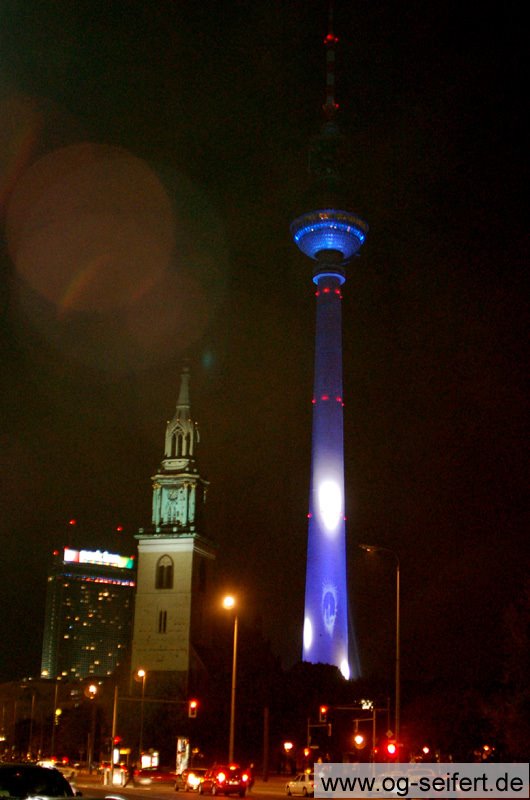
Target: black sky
[(220, 100)]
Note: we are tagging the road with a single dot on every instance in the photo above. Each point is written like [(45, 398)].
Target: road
[(92, 786)]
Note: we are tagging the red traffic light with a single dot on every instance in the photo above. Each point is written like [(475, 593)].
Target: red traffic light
[(116, 740), (192, 708), (323, 712), (391, 748)]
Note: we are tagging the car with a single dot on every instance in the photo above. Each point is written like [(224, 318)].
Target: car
[(303, 784), (230, 779), (68, 770), (190, 779), (150, 775), (33, 780)]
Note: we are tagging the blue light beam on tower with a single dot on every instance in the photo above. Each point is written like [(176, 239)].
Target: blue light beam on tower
[(331, 237)]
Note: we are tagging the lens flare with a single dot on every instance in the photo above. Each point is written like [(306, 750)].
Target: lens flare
[(90, 227)]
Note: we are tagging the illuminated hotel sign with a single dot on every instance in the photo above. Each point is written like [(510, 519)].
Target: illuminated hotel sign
[(103, 558)]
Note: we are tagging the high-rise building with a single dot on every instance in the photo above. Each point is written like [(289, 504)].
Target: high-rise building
[(174, 559), (88, 617), (330, 235)]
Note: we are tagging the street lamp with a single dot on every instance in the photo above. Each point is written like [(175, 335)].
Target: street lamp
[(31, 717), (229, 602), (91, 692), (142, 675), (31, 721), (370, 548), (56, 716)]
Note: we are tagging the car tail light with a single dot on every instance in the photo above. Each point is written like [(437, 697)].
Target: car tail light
[(244, 777), (221, 777)]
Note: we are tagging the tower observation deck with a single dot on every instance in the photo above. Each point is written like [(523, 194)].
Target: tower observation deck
[(331, 236)]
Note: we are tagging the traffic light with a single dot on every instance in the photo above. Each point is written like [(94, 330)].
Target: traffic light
[(192, 708), (359, 741), (323, 711), (391, 748)]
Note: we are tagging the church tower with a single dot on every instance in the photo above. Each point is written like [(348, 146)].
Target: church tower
[(174, 559)]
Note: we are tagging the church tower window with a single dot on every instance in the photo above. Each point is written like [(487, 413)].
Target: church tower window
[(164, 573), (162, 621)]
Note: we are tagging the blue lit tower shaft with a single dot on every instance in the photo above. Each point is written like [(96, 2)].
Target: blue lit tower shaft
[(326, 594), (330, 236)]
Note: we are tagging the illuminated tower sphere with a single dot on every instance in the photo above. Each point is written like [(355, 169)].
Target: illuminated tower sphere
[(331, 236)]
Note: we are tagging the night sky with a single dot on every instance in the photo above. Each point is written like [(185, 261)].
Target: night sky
[(152, 156)]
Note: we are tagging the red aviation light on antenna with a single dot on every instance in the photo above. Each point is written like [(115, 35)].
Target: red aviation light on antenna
[(72, 522), (331, 39)]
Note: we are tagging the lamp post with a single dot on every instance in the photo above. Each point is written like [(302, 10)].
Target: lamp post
[(114, 715), (142, 675), (55, 720), (369, 548), (229, 602), (91, 692), (31, 719)]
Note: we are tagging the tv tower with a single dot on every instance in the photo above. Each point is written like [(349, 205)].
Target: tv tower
[(331, 235)]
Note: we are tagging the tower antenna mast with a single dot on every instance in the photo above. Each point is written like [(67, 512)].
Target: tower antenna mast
[(330, 106)]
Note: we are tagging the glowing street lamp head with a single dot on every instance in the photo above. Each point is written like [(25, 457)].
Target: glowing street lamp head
[(229, 601), (368, 548), (141, 673)]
